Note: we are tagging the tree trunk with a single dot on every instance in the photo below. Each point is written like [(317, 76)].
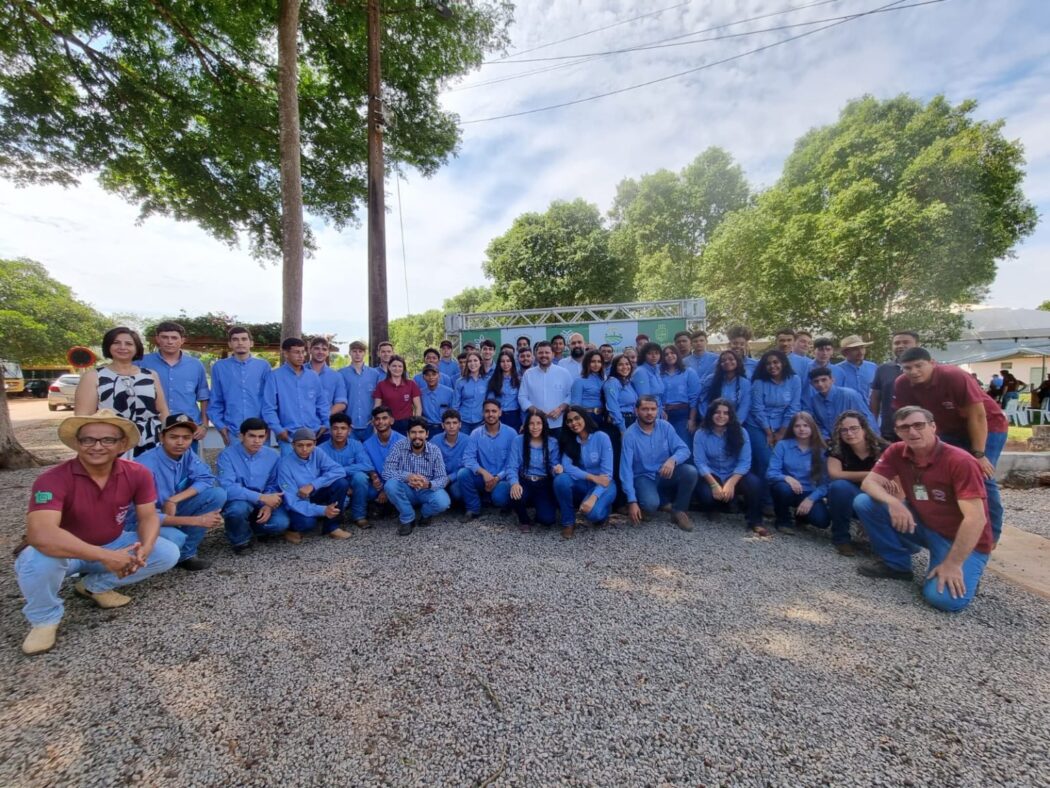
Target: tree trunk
[(12, 455), (291, 173)]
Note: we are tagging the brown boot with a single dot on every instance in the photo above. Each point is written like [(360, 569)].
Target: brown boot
[(339, 533), (683, 521), (568, 532), (293, 537)]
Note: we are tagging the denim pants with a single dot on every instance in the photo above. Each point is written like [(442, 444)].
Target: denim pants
[(188, 537), (333, 493), (749, 487), (405, 498), (784, 498), (571, 492), (40, 576), (512, 418), (679, 419), (538, 494), (241, 525), (896, 548), (841, 494), (473, 488), (361, 493), (362, 433), (678, 489), (993, 449)]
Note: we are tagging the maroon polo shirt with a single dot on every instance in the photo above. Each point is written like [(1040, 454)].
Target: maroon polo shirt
[(949, 476), (948, 389), (93, 514), (397, 398)]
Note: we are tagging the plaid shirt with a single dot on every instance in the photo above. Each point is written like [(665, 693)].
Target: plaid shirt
[(401, 461)]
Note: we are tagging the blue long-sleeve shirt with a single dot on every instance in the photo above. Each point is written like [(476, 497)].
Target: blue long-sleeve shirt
[(643, 454), (587, 392), (827, 407), (245, 476), (703, 365), (171, 476), (333, 387), (292, 401), (536, 467), (450, 368), (711, 455), (774, 404), (470, 398), (359, 387), (236, 391), (750, 365), (435, 401), (318, 469), (801, 364), (184, 382), (546, 390), (680, 388), (443, 380), (790, 460), (737, 391), (647, 380), (452, 455), (620, 398), (596, 459), (857, 377), (491, 452), (508, 397), (352, 456), (377, 452)]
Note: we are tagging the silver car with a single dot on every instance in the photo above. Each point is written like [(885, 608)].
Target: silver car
[(61, 392)]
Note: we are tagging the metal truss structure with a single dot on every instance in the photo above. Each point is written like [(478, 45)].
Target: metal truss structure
[(694, 310)]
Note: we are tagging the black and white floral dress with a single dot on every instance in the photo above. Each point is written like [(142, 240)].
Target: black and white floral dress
[(135, 398)]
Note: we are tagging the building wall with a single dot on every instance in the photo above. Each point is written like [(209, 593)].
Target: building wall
[(1025, 368)]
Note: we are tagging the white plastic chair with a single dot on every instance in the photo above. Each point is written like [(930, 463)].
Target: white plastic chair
[(1014, 413), (1044, 413)]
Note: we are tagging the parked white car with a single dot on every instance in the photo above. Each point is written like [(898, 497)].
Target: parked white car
[(61, 392)]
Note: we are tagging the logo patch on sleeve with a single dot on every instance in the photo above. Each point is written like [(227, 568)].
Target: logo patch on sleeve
[(42, 497)]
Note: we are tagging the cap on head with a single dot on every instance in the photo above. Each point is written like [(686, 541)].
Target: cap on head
[(303, 434), (178, 420)]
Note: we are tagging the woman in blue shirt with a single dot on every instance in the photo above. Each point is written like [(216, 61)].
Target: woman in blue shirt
[(470, 394), (681, 388), (587, 477), (776, 392), (646, 377), (798, 477), (620, 399), (587, 388), (722, 455), (728, 381), (503, 388), (535, 459)]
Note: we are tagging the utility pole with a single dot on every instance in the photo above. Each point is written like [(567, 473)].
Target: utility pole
[(378, 317)]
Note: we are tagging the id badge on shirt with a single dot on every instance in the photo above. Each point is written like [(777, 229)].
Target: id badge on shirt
[(919, 491)]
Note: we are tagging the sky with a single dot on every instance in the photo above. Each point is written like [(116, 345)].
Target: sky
[(755, 107)]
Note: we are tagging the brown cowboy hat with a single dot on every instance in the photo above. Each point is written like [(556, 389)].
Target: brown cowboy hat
[(69, 427), (853, 341)]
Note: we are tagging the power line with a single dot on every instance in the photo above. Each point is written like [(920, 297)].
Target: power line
[(404, 256), (756, 50)]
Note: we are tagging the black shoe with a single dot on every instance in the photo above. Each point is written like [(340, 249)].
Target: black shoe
[(406, 528), (473, 516), (193, 564), (241, 548), (881, 571), (424, 522)]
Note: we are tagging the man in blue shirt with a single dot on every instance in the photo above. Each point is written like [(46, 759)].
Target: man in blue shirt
[(692, 349), (431, 359), (785, 341), (574, 361), (248, 474), (292, 396), (332, 383), (385, 350), (188, 502), (181, 375), (448, 365), (414, 475), (452, 444), (360, 381), (654, 465), (487, 462), (236, 385), (740, 340), (829, 401), (378, 446), (353, 458), (436, 399), (314, 486), (856, 373)]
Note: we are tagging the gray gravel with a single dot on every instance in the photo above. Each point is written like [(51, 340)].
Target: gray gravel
[(1028, 510), (471, 653)]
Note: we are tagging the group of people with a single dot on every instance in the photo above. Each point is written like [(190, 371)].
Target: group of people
[(908, 448)]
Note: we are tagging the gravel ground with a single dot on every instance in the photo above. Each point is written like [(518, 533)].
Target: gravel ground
[(468, 653), (1028, 510)]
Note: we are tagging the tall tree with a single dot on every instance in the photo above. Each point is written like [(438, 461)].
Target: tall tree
[(40, 319), (888, 218), (175, 103), (557, 258)]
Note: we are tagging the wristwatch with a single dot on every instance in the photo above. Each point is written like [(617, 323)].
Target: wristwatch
[(978, 454)]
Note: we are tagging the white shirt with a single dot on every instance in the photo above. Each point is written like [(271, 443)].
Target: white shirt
[(545, 389)]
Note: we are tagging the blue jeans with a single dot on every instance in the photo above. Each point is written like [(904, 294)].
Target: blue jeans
[(678, 489), (362, 433), (538, 494), (333, 493), (361, 493), (841, 494), (679, 419), (749, 487), (512, 418), (187, 537), (896, 549), (405, 498), (571, 492), (993, 449), (784, 499), (473, 488), (469, 426), (240, 522), (454, 490), (40, 576)]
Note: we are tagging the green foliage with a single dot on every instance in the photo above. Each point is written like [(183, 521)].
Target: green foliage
[(412, 334), (1045, 306), (887, 219), (174, 102), (557, 258), (474, 299), (40, 318), (214, 325)]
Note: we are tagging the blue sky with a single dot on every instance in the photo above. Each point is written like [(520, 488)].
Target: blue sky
[(755, 107)]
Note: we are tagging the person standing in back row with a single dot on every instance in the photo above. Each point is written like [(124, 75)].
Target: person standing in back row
[(181, 376)]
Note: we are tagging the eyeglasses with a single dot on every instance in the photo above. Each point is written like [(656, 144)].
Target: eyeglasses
[(915, 426), (849, 430), (87, 443)]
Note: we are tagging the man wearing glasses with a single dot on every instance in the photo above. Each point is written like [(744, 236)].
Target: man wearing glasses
[(76, 526), (944, 510)]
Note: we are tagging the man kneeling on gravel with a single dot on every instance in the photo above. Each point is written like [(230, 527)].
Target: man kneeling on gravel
[(76, 526), (945, 510)]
